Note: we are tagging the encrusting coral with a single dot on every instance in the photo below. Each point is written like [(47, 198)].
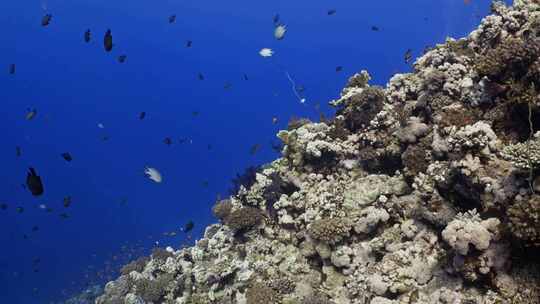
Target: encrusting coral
[(425, 191)]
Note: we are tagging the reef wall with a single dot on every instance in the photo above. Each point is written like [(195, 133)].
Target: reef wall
[(426, 191)]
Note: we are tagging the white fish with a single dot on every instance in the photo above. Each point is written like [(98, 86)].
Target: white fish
[(266, 52), (42, 206), (279, 32), (153, 174), (101, 126)]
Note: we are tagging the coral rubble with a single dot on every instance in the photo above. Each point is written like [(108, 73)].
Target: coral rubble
[(420, 192)]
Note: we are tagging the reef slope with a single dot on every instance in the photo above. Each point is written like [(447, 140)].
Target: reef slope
[(426, 191)]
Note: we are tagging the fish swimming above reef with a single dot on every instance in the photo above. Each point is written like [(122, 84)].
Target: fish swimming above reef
[(122, 58), (18, 151), (108, 41), (375, 28), (87, 36), (172, 18), (46, 19), (67, 201), (254, 149), (142, 115), (408, 56), (67, 157), (12, 69), (189, 43), (153, 174), (279, 32), (200, 76), (331, 12), (246, 77), (3, 206), (20, 210), (275, 19), (266, 52), (167, 141), (33, 182), (188, 226), (30, 114), (339, 68)]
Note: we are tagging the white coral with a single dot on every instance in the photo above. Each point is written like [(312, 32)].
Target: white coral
[(469, 229)]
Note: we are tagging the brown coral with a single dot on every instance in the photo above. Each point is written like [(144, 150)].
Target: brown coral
[(330, 230), (244, 218), (525, 220), (258, 293), (222, 209), (362, 108)]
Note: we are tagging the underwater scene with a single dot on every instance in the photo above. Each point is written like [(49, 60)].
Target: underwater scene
[(280, 152)]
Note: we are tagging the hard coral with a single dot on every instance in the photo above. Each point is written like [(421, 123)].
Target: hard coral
[(244, 218), (511, 58), (362, 108), (330, 230), (222, 209), (136, 265), (524, 155), (468, 229), (153, 290), (259, 293), (525, 220)]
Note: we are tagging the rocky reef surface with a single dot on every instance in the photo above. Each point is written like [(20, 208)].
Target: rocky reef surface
[(426, 191)]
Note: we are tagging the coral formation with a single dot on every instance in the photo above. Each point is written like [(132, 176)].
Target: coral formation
[(425, 191)]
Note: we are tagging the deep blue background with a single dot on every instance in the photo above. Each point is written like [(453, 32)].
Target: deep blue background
[(74, 86)]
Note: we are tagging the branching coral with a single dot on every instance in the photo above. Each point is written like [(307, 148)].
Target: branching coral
[(524, 155)]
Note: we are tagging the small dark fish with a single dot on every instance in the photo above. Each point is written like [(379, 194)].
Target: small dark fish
[(46, 20), (18, 151), (49, 210), (167, 141), (172, 18), (142, 115), (276, 19), (227, 85), (195, 113), (339, 68), (189, 43), (87, 36), (375, 28), (64, 215), (209, 147), (254, 149), (122, 58), (33, 181), (67, 201), (123, 201), (35, 229), (300, 88), (20, 209), (246, 77), (189, 226), (31, 114), (200, 76), (108, 41), (12, 69), (67, 156), (3, 206), (408, 56), (205, 183), (331, 12), (105, 138), (25, 236)]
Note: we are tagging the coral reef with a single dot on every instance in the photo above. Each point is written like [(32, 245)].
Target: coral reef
[(425, 191)]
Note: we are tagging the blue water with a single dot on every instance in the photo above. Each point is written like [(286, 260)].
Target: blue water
[(117, 213)]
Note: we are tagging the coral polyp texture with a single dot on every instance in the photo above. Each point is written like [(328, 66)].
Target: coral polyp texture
[(423, 191)]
